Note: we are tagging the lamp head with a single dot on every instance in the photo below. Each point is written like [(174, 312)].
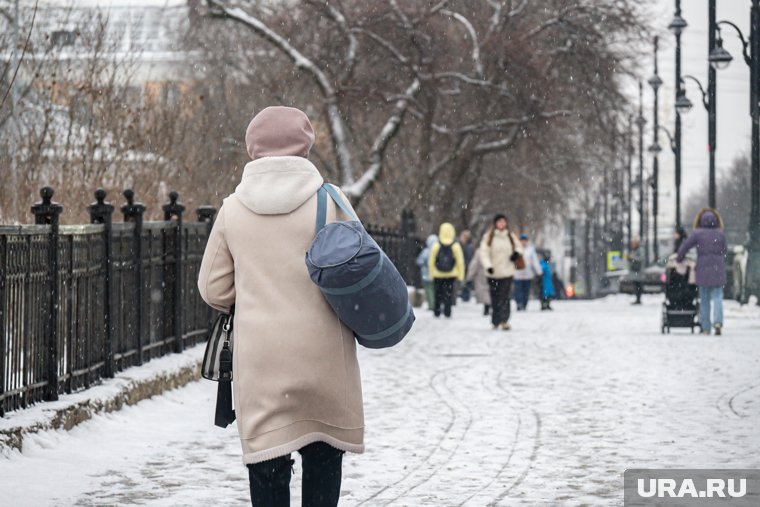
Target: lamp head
[(683, 104), (678, 25), (719, 58)]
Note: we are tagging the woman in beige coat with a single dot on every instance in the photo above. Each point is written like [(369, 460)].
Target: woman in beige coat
[(295, 374), (498, 252)]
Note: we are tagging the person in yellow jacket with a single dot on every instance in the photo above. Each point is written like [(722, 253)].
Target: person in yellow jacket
[(445, 266)]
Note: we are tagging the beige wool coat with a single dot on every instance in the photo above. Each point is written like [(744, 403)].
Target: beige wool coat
[(296, 377), (497, 254)]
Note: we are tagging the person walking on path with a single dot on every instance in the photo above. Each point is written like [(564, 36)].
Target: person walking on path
[(446, 266), (524, 277), (498, 252), (547, 281), (635, 265), (297, 385), (476, 275), (422, 262), (465, 239), (709, 239)]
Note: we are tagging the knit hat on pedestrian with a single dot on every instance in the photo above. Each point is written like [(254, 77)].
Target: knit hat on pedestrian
[(523, 236), (498, 217), (278, 132)]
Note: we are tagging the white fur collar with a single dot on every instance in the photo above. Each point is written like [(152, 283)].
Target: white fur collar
[(278, 185)]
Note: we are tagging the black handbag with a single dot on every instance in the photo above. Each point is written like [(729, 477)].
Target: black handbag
[(217, 366)]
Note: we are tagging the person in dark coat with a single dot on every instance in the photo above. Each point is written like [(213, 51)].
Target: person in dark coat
[(679, 236), (710, 241)]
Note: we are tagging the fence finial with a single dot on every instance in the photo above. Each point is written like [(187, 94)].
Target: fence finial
[(132, 211), (46, 211), (100, 211), (173, 208)]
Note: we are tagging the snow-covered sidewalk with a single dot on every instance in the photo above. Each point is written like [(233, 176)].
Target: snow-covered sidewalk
[(549, 413)]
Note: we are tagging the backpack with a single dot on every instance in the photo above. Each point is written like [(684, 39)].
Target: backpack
[(445, 261), (357, 279)]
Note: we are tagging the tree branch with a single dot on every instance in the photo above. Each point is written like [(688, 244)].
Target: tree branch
[(335, 120), (357, 189)]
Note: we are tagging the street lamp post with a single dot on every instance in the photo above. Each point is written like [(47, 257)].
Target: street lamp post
[(720, 58), (655, 82), (629, 189), (712, 101), (640, 123), (677, 27)]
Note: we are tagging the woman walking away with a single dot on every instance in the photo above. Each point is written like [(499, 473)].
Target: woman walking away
[(524, 277), (547, 282), (710, 241), (476, 275), (296, 376), (498, 252), (446, 265), (422, 262)]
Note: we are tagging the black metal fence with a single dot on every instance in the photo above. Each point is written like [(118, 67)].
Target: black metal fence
[(80, 302)]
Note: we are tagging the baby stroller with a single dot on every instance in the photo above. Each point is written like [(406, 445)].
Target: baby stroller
[(681, 306)]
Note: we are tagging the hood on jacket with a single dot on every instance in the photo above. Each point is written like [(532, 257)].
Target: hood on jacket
[(278, 132), (708, 218), (278, 185), (447, 234), (431, 240)]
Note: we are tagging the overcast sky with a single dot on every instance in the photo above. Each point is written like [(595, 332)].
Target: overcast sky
[(733, 120)]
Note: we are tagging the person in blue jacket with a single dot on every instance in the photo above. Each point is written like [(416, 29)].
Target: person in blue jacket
[(547, 284), (422, 262)]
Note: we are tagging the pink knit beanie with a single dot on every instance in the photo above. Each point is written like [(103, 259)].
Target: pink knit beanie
[(279, 131)]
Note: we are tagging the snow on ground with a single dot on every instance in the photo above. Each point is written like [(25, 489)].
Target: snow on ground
[(550, 413)]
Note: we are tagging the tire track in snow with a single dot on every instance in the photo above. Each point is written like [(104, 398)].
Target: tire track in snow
[(725, 403), (455, 430), (525, 447)]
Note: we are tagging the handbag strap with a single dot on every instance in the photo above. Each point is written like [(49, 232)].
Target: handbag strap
[(325, 190), (511, 240)]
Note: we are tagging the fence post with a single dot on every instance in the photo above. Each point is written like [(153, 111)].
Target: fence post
[(175, 209), (408, 230), (48, 212), (206, 214), (101, 212), (3, 335), (133, 212)]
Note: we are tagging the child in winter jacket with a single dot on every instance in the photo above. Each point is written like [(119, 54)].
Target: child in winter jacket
[(547, 285), (445, 266)]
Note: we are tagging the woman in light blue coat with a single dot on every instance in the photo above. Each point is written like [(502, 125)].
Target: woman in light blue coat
[(422, 262)]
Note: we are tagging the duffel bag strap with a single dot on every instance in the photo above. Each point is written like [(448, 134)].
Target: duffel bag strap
[(325, 190), (339, 201), (321, 207)]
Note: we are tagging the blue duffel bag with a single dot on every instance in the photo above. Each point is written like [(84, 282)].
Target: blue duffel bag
[(356, 277)]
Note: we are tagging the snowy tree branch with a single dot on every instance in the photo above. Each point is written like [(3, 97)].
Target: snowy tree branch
[(478, 64), (335, 120), (355, 190)]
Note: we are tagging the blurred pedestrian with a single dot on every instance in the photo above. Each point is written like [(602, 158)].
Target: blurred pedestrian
[(499, 250), (446, 266), (524, 277), (547, 281), (468, 249), (635, 265), (297, 382), (476, 276), (709, 239), (678, 237), (422, 262)]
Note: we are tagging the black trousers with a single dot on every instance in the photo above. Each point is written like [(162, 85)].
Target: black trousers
[(444, 291), (322, 475), (500, 290)]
